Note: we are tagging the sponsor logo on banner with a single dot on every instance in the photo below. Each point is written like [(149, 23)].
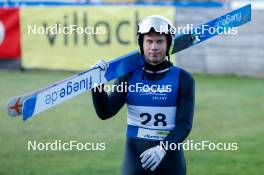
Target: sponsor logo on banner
[(74, 38)]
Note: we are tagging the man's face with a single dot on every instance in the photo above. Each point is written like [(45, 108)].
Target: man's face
[(154, 46)]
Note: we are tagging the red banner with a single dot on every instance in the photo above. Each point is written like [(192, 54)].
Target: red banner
[(9, 34)]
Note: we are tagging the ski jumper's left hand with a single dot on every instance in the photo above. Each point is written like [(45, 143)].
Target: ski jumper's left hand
[(152, 157)]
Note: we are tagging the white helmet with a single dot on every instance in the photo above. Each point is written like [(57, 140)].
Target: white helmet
[(158, 24)]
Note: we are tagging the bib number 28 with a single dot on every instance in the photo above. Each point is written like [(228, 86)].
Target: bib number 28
[(160, 119)]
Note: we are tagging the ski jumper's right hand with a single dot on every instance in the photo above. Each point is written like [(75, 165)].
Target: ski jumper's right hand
[(101, 64)]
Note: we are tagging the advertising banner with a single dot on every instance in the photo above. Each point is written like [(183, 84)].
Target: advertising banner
[(74, 38)]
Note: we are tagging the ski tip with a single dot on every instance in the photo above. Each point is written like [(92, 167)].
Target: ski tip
[(250, 14), (28, 107), (247, 10)]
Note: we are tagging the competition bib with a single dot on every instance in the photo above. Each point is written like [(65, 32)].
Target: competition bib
[(152, 106)]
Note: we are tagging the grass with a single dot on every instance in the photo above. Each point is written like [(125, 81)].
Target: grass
[(228, 109)]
